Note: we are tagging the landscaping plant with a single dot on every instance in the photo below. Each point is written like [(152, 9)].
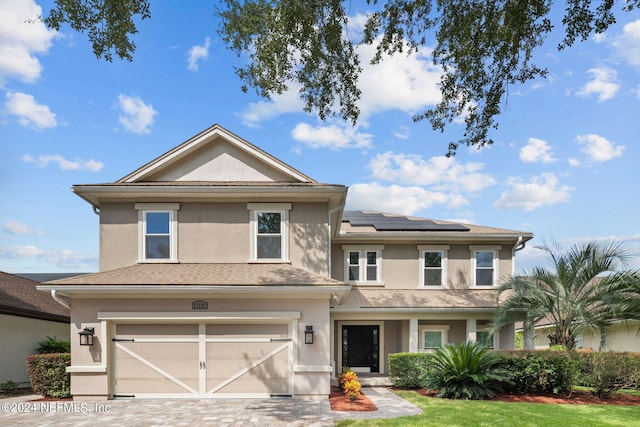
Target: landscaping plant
[(349, 384), (465, 371)]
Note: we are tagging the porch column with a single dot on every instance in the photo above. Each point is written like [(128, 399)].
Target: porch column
[(413, 335), (471, 330)]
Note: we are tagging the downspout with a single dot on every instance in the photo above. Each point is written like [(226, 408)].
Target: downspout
[(331, 211), (520, 245), (59, 299)]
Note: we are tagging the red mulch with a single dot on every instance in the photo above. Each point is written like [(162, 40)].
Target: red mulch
[(341, 402), (577, 397)]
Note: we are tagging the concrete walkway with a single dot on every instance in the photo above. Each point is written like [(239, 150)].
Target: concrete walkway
[(22, 411)]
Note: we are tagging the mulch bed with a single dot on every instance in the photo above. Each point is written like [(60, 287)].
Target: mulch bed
[(341, 402), (577, 398)]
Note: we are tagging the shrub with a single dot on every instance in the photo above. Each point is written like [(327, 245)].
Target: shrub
[(352, 389), (405, 369), (346, 376), (9, 387), (48, 376), (465, 371), (53, 345), (539, 371), (608, 373)]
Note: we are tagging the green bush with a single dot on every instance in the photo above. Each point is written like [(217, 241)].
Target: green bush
[(53, 345), (48, 376), (466, 371), (9, 387), (608, 373), (539, 371), (405, 369)]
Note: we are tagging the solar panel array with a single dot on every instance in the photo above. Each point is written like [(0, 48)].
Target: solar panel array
[(382, 222)]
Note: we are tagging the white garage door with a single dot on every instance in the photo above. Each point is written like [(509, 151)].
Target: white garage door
[(202, 360)]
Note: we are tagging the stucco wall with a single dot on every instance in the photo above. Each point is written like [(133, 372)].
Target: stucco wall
[(214, 232), (401, 264), (20, 337)]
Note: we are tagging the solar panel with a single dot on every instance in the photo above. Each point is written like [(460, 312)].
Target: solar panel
[(382, 222)]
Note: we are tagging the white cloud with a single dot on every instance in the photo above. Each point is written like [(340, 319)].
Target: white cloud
[(333, 136), (598, 148), (198, 53), (536, 151), (62, 258), (29, 112), (138, 116), (444, 173), (21, 40), (403, 132), (64, 164), (543, 190), (15, 227), (394, 198), (403, 82), (604, 84), (627, 43)]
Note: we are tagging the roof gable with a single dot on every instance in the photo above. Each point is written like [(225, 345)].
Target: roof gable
[(216, 155)]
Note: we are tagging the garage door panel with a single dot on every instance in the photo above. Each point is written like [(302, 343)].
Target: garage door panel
[(247, 330)]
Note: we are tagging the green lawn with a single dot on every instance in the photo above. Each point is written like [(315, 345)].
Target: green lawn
[(454, 413)]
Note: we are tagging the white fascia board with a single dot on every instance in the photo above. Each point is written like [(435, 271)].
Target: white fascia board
[(436, 236), (202, 315), (371, 310), (189, 289)]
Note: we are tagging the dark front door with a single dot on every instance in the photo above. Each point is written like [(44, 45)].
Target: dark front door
[(361, 347)]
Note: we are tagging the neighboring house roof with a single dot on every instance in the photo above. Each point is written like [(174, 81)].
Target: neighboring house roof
[(428, 300), (47, 277), (186, 274), (19, 297)]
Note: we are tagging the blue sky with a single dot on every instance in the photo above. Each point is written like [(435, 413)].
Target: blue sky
[(564, 165)]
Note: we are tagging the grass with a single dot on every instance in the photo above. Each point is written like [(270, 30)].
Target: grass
[(464, 413)]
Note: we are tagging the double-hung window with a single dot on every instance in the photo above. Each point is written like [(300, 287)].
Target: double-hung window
[(363, 264), (433, 266), (485, 265), (158, 229), (485, 338), (269, 231)]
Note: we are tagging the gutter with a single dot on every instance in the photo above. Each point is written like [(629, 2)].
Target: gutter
[(59, 299)]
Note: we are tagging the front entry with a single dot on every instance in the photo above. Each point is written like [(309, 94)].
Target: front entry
[(361, 347)]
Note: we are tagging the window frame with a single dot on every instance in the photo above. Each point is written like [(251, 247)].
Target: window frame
[(363, 264), (146, 208), (256, 209), (494, 267), (444, 260), (444, 337), (494, 337)]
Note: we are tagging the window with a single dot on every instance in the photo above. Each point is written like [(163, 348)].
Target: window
[(433, 266), (485, 338), (269, 236), (363, 264), (433, 337), (485, 265), (158, 231)]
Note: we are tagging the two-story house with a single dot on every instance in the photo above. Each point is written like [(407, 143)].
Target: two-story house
[(225, 272)]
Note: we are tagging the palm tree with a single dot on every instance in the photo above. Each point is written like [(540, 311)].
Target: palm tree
[(589, 288)]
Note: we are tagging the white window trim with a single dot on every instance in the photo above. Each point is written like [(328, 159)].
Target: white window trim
[(496, 262), (432, 328), (363, 264), (445, 260), (281, 208), (172, 209), (495, 337)]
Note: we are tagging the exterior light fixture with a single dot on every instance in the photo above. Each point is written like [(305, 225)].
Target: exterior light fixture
[(308, 334), (86, 336)]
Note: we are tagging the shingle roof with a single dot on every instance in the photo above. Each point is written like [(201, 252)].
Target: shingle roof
[(19, 297), (421, 298), (203, 274)]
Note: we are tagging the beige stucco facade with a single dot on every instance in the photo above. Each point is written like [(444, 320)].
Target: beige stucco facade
[(213, 188)]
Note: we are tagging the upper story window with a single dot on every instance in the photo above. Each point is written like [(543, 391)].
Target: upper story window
[(269, 231), (485, 265), (363, 264), (158, 231), (433, 266)]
